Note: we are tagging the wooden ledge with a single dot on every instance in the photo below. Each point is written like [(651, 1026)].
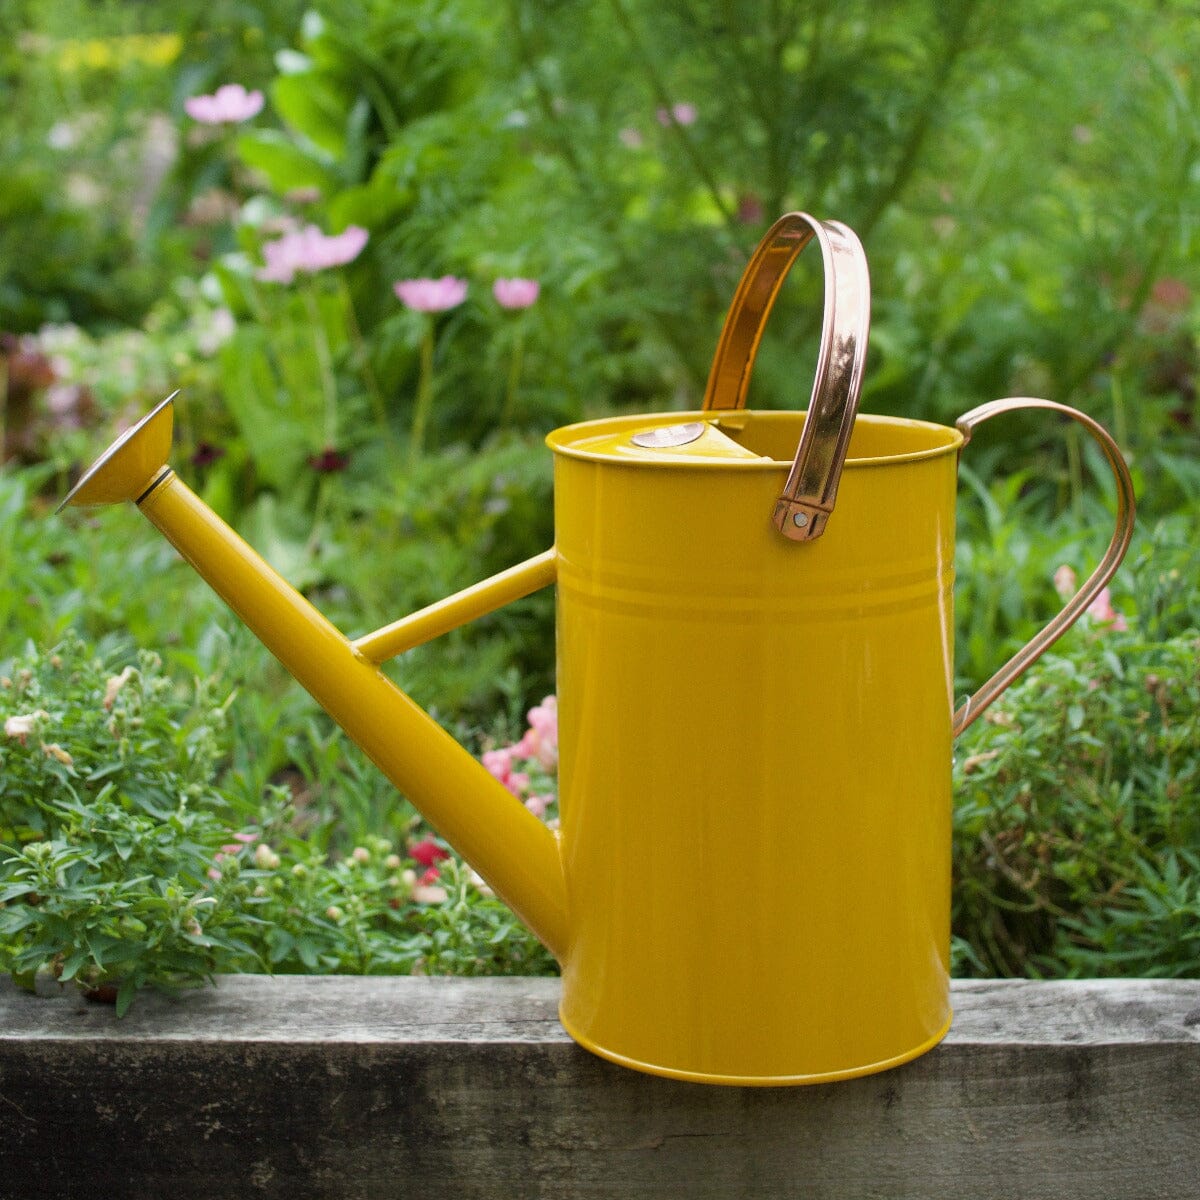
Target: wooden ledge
[(376, 1088)]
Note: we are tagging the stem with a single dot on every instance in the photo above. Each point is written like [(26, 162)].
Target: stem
[(416, 443), (364, 361), (1075, 471), (328, 383), (1120, 419), (319, 512), (3, 410), (514, 376)]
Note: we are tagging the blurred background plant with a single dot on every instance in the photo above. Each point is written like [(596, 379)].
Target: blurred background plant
[(1025, 180)]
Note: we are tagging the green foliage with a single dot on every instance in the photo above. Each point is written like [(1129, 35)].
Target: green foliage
[(123, 864), (107, 824), (1077, 837), (1024, 180)]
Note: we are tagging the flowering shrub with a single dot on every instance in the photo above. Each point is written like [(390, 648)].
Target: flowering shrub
[(1077, 836), (106, 816), (123, 865)]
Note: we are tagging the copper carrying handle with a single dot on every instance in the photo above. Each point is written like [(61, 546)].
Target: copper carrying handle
[(803, 507), (1075, 607)]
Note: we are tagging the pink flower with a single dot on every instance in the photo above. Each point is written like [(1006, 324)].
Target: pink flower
[(631, 138), (516, 293), (310, 250), (749, 209), (1064, 581), (541, 738), (538, 804), (428, 853), (229, 103), (500, 764), (431, 295), (678, 114), (1101, 609)]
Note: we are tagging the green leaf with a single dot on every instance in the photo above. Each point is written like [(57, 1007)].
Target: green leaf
[(314, 108), (72, 965), (125, 995), (285, 164)]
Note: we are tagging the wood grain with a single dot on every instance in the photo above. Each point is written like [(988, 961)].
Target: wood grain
[(369, 1088)]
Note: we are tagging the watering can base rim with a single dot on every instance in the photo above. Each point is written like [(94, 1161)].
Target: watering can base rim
[(856, 1072)]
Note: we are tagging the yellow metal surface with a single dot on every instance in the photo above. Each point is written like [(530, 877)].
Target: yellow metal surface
[(755, 755), (129, 465), (467, 605)]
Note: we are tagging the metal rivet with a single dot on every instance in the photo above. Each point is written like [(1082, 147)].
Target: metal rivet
[(800, 519)]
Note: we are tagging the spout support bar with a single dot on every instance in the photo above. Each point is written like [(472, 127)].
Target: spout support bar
[(476, 601)]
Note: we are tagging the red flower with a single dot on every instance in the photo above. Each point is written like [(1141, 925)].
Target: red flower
[(329, 461), (206, 454), (427, 853)]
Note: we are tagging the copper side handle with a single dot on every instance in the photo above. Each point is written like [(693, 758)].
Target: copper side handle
[(803, 507), (1074, 608)]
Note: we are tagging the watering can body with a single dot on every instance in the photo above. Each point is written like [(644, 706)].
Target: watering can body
[(755, 745), (751, 880)]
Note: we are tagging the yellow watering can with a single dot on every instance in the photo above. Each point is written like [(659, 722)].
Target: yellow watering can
[(751, 884)]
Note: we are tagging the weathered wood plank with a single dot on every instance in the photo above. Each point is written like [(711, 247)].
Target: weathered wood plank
[(349, 1088)]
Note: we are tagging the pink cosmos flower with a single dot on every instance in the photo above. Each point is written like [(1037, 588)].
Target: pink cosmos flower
[(310, 250), (230, 103), (431, 295), (677, 114), (516, 293), (1101, 609)]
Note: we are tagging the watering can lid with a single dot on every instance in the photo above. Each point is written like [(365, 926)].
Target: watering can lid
[(656, 442)]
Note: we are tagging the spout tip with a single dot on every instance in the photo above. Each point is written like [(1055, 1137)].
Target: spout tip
[(128, 466)]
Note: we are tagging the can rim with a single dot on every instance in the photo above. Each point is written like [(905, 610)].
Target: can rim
[(566, 440)]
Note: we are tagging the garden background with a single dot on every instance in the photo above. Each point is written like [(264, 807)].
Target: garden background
[(585, 182)]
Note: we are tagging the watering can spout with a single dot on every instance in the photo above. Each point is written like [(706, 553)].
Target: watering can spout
[(515, 852)]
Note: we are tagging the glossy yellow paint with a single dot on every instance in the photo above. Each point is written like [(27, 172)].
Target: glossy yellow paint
[(468, 605), (755, 752)]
